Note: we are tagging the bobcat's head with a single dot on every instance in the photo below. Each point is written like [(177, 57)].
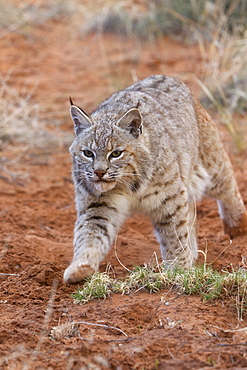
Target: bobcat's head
[(107, 151)]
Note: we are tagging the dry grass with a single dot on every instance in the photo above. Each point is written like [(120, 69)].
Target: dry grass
[(65, 330), (144, 20), (218, 28), (148, 20), (19, 118), (21, 16), (20, 122), (225, 65)]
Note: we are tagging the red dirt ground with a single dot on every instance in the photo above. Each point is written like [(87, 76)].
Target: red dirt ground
[(164, 330)]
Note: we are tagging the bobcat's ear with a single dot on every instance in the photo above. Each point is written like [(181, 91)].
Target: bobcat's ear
[(81, 119), (132, 122)]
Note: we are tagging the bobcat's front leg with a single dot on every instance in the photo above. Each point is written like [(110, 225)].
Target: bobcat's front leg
[(94, 233)]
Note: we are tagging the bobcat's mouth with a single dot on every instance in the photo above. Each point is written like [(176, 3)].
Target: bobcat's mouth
[(102, 186)]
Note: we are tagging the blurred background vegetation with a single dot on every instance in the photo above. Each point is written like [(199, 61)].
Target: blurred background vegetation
[(217, 28)]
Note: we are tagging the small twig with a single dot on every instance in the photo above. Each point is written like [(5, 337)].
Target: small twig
[(111, 340), (230, 243), (115, 251), (170, 353), (231, 345), (229, 331), (102, 326), (122, 340), (88, 340), (3, 273)]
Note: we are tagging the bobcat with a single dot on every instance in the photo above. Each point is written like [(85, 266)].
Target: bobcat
[(150, 148)]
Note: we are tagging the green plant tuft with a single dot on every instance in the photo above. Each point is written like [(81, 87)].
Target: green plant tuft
[(200, 280), (99, 285)]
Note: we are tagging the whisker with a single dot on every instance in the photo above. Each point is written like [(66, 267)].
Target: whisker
[(121, 181), (81, 182), (131, 173)]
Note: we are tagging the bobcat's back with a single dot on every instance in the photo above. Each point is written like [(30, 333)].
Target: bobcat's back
[(170, 130)]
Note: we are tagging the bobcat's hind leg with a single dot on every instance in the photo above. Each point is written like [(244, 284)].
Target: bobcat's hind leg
[(230, 203), (240, 229), (234, 217), (223, 186)]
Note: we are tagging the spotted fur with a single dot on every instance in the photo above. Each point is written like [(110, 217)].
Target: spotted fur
[(150, 148)]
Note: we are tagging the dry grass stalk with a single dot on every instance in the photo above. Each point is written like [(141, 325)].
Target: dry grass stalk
[(71, 329)]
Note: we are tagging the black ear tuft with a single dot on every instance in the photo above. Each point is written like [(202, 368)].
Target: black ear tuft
[(70, 100)]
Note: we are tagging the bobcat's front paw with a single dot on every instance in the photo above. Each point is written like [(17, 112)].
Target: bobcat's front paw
[(76, 273)]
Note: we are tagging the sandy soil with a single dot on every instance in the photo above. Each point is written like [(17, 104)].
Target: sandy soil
[(164, 330)]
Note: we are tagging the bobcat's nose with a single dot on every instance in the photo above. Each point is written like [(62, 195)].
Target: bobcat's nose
[(99, 173)]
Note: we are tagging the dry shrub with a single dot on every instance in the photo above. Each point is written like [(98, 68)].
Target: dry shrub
[(19, 118), (20, 122), (18, 15), (219, 28), (225, 64), (65, 330)]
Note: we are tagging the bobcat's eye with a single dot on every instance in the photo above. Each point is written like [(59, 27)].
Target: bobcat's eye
[(116, 153), (88, 153)]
